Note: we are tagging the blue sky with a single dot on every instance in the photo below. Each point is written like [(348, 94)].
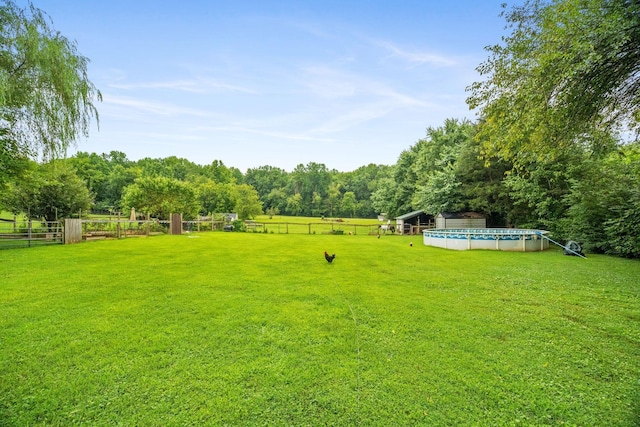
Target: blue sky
[(279, 83)]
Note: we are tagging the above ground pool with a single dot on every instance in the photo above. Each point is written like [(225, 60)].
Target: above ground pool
[(497, 239)]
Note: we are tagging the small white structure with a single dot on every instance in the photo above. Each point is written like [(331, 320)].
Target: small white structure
[(458, 220), (230, 216)]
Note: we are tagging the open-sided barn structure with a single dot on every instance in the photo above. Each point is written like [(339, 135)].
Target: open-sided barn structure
[(414, 222)]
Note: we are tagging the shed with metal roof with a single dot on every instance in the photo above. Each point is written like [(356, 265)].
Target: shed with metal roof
[(460, 220)]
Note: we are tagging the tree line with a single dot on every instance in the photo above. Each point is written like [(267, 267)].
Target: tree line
[(111, 182)]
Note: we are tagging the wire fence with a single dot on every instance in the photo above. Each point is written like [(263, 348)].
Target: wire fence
[(93, 229), (325, 227), (23, 234), (100, 229), (29, 233)]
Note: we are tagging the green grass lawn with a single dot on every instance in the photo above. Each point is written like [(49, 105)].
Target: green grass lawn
[(258, 329)]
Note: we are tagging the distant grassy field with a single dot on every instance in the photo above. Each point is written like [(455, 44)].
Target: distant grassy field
[(257, 329), (307, 219), (311, 225)]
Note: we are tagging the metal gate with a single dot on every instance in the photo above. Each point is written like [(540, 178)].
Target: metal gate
[(19, 234)]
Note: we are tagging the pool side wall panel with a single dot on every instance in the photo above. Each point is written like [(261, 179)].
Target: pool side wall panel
[(518, 240)]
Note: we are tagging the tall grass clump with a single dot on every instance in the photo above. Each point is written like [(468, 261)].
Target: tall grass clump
[(258, 329)]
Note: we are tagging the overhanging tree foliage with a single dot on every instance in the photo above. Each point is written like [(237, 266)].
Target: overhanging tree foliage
[(605, 204), (46, 98), (569, 69), (438, 186)]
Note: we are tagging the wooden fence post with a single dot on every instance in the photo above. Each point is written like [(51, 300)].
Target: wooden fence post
[(72, 230), (176, 223)]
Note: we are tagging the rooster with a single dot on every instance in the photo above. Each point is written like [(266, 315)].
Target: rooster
[(328, 257)]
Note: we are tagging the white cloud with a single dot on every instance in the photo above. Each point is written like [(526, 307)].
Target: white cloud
[(415, 57), (159, 136), (204, 85), (153, 107), (264, 132)]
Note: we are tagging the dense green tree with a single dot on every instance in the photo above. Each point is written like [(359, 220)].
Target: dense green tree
[(568, 70), (294, 204), (106, 176), (116, 158), (604, 212), (236, 175), (349, 204), (425, 175), (218, 172), (307, 179), (482, 184), (539, 191), (265, 179), (13, 162), (333, 198), (438, 187), (46, 98), (248, 205), (170, 167), (383, 198), (441, 193), (405, 181), (118, 179), (179, 168), (151, 167), (277, 200), (160, 196), (63, 193), (216, 197), (50, 191), (21, 195), (441, 147), (94, 170), (363, 182), (317, 208)]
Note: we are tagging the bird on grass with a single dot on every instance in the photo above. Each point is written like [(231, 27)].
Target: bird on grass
[(328, 257)]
